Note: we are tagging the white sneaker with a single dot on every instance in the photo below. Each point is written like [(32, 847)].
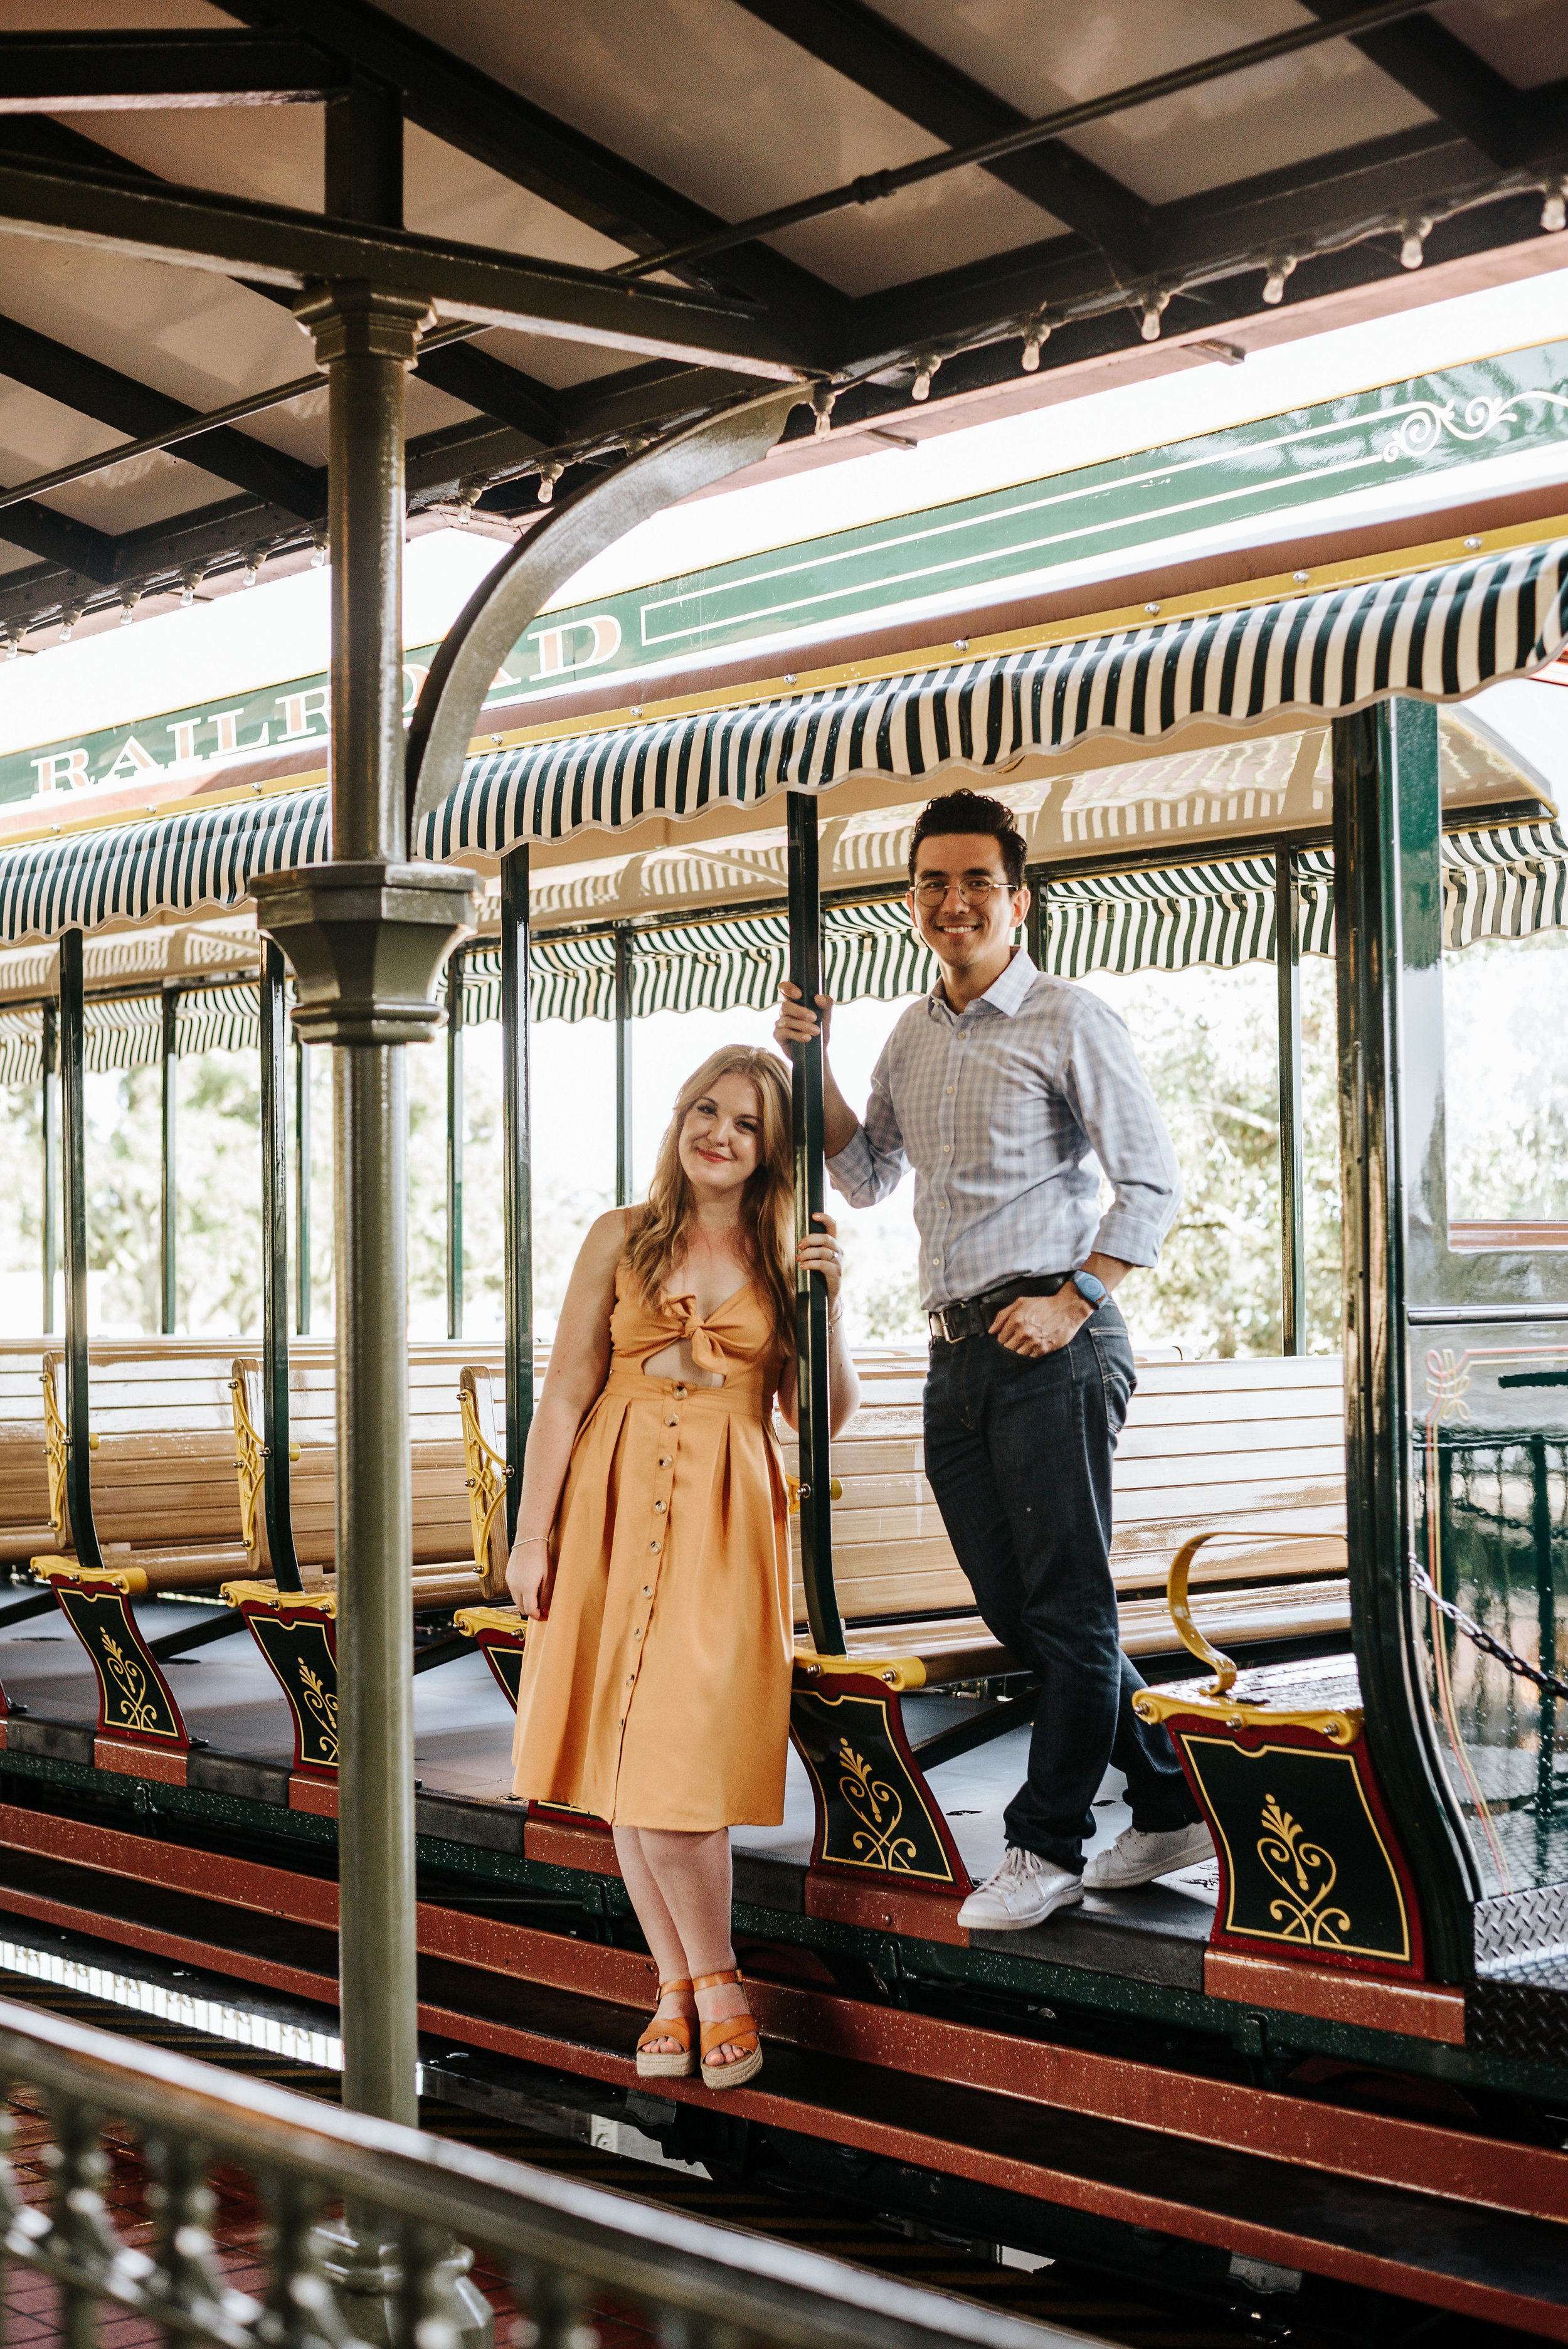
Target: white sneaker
[(1137, 1858), (1025, 1891)]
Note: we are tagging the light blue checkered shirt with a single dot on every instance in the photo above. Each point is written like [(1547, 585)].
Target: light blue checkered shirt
[(1003, 1111)]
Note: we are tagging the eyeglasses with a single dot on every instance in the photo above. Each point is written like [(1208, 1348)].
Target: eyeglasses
[(974, 889)]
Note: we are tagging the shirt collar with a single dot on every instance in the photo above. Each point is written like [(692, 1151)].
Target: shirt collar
[(1005, 994)]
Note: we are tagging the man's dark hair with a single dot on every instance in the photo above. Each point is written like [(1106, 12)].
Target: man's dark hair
[(967, 811)]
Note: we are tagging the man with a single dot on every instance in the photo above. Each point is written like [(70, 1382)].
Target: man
[(1002, 1089)]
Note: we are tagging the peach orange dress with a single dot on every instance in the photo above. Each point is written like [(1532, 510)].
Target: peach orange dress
[(656, 1691)]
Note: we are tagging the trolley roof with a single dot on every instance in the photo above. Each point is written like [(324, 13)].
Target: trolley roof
[(891, 203)]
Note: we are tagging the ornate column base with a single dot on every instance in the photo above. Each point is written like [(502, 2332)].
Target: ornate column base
[(372, 2285)]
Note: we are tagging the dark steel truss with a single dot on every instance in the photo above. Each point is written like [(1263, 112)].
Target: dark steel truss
[(1472, 180)]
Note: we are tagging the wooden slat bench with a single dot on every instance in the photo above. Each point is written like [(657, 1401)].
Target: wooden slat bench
[(1248, 1451), (1252, 1452), (166, 1510), (459, 1535)]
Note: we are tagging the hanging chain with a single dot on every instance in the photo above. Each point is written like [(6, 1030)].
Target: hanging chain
[(1547, 1683)]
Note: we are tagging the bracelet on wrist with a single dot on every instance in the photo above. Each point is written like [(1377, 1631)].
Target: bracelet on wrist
[(530, 1541)]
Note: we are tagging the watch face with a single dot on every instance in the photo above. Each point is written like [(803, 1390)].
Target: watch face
[(1092, 1290)]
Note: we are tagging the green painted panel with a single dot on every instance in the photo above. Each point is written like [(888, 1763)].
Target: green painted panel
[(1241, 474)]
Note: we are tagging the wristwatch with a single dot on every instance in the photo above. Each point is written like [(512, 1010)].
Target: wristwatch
[(1093, 1292)]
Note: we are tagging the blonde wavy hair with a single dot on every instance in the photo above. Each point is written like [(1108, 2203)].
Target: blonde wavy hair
[(767, 1204)]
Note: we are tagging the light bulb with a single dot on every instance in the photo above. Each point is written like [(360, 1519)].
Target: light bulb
[(248, 575), (68, 630), (187, 597), (547, 476), (925, 369), (317, 555), (1413, 250), (1274, 284), (13, 647), (1154, 306), (1554, 210), (1037, 332), (126, 614)]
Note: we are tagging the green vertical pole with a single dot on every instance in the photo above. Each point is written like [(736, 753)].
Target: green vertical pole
[(1291, 1179), (302, 1187), (1037, 928), (168, 1298), (455, 1144), (51, 1137), (623, 1176), (517, 1177), (73, 1102), (810, 1293), (1386, 809), (275, 1275)]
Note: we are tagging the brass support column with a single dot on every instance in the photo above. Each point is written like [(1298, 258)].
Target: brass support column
[(810, 1294), (624, 1178), (73, 1093), (516, 1173), (1292, 1176), (301, 1188), (275, 1275), (367, 936), (455, 1145), (51, 1140), (167, 1188)]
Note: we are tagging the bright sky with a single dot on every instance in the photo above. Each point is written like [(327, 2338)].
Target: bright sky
[(279, 629)]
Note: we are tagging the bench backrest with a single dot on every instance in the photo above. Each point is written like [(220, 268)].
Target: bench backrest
[(443, 1533), (1256, 1445), (163, 1461)]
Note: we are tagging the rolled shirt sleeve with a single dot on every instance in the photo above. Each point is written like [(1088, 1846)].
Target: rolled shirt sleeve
[(873, 1163), (1102, 1081)]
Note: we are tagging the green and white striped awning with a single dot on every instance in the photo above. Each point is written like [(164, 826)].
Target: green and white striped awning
[(128, 1033), (1440, 635), (1506, 882)]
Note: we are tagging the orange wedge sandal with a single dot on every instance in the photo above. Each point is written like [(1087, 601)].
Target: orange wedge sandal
[(663, 2064), (730, 2030)]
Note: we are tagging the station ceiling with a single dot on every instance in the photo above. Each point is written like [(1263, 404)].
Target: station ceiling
[(628, 212)]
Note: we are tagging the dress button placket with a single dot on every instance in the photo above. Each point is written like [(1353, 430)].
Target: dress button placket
[(663, 1482)]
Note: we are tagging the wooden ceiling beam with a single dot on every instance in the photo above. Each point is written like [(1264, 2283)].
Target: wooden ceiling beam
[(470, 111), (90, 389), (925, 88), (111, 71), (1502, 122), (230, 237)]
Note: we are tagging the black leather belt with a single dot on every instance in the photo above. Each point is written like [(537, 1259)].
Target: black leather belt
[(970, 1317)]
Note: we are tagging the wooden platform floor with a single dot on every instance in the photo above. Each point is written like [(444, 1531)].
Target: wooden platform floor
[(462, 1755)]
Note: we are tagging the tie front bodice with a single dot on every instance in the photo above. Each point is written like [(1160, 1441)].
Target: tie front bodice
[(734, 1342)]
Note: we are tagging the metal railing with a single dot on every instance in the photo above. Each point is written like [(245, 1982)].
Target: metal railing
[(562, 2246)]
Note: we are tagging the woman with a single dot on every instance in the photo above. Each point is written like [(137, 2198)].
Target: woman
[(651, 1548)]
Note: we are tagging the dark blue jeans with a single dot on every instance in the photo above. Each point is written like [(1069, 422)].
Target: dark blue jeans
[(1018, 1452)]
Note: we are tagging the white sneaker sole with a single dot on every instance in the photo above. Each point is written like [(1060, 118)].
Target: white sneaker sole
[(1128, 1880), (1068, 1897)]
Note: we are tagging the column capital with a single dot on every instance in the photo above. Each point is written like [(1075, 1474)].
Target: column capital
[(353, 320), (365, 942)]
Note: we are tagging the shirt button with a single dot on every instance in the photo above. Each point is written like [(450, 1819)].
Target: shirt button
[(647, 1589), (631, 1677), (672, 1422), (653, 1544), (947, 1146), (637, 1632), (659, 1505), (951, 1089), (680, 1394), (937, 1259), (664, 1460)]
